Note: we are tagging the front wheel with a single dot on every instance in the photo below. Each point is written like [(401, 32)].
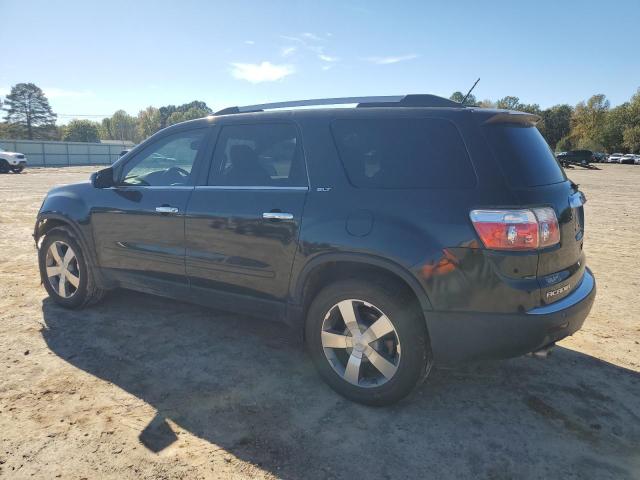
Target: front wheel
[(66, 276), (369, 342), (17, 169)]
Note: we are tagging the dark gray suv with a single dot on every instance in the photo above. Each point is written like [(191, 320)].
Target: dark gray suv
[(403, 232)]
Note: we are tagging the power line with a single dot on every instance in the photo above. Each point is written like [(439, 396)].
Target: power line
[(81, 115)]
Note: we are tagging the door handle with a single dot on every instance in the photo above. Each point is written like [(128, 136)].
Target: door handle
[(166, 209), (277, 216)]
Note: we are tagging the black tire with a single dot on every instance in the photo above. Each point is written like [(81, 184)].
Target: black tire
[(88, 292), (4, 166), (402, 309), (17, 169)]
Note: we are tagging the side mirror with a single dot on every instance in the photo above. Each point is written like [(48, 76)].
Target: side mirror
[(103, 178)]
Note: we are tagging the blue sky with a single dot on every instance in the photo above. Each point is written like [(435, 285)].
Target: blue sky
[(93, 58)]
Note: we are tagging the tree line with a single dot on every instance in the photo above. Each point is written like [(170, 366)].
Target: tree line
[(591, 125), (28, 116)]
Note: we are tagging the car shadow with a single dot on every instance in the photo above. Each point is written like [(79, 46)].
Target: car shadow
[(247, 386)]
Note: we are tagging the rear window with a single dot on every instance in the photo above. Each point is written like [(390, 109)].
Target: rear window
[(523, 154), (403, 153)]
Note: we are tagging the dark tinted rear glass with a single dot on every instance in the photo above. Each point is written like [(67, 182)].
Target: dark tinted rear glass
[(525, 157), (403, 153)]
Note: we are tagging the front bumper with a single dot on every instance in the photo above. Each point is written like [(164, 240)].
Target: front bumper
[(461, 336)]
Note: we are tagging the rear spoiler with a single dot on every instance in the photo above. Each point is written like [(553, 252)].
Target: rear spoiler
[(520, 118)]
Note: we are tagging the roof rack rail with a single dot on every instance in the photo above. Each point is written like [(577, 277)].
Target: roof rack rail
[(420, 100)]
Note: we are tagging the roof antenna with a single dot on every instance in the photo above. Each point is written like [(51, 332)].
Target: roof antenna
[(469, 92)]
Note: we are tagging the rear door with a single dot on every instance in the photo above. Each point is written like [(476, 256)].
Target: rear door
[(242, 226), (537, 179)]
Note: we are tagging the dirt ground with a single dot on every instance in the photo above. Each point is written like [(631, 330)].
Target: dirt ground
[(143, 387)]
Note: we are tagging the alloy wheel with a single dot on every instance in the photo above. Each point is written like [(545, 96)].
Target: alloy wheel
[(62, 269), (360, 343)]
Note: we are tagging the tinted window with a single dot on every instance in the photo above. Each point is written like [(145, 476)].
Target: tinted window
[(525, 157), (258, 155), (165, 162), (403, 153)]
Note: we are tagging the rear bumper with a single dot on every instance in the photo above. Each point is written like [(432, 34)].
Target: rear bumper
[(460, 336)]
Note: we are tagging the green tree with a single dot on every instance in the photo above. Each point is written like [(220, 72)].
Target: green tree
[(508, 103), (121, 126), (530, 108), (28, 111), (81, 131), (105, 129), (632, 138), (587, 123), (459, 96), (555, 124), (148, 123), (199, 108), (486, 103), (631, 133), (191, 114), (564, 144), (612, 130), (5, 131)]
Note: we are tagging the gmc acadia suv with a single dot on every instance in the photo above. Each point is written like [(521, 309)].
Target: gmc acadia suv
[(403, 232)]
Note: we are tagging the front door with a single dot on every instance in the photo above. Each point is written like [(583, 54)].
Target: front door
[(138, 226), (242, 227)]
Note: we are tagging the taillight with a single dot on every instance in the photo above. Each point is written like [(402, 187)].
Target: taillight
[(548, 228), (526, 229)]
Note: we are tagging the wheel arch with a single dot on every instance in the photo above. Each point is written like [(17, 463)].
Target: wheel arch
[(334, 266), (48, 221)]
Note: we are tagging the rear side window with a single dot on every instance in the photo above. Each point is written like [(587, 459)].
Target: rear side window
[(258, 155), (403, 153), (524, 156)]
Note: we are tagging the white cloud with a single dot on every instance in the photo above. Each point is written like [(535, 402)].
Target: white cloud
[(391, 59), (311, 36), (261, 72), (291, 39), (326, 67), (4, 91), (327, 58), (287, 51), (249, 42)]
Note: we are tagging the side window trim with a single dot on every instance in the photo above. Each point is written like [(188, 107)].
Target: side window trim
[(215, 164), (141, 149)]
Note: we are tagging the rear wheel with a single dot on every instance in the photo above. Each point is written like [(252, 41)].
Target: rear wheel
[(67, 277), (4, 166), (368, 342), (17, 169)]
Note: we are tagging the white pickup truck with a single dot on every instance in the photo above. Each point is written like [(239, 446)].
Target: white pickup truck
[(12, 161)]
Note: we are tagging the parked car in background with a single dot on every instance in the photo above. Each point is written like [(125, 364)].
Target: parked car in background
[(637, 159), (599, 157), (576, 157), (615, 157), (628, 159), (390, 238), (12, 161)]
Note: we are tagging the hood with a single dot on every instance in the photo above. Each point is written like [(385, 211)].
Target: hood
[(11, 154)]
